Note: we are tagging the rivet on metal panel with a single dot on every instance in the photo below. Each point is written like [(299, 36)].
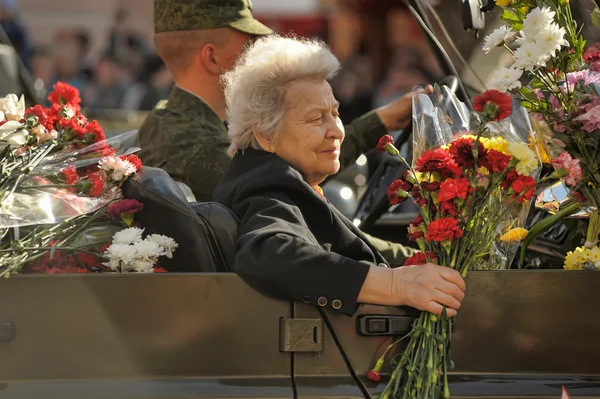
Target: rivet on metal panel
[(300, 335)]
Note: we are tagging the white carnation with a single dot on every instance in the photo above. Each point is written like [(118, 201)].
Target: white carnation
[(167, 243), (120, 256), (530, 56), (128, 236), (497, 38), (148, 250), (537, 20), (12, 107), (506, 79), (118, 168)]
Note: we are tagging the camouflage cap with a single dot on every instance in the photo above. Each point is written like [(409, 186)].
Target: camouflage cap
[(179, 15)]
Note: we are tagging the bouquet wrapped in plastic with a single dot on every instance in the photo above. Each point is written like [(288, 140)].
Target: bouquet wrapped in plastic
[(473, 176), (61, 202)]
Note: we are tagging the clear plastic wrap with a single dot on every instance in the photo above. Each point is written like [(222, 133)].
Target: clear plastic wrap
[(44, 197), (441, 117)]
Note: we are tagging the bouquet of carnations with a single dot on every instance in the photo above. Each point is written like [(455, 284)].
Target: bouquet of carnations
[(61, 202), (562, 92), (473, 176)]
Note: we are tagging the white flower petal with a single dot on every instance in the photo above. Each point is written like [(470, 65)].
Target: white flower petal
[(506, 79), (128, 236), (497, 38)]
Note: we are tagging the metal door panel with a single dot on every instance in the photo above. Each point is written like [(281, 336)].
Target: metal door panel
[(138, 327), (517, 331)]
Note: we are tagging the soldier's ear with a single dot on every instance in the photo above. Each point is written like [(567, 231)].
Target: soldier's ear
[(208, 59)]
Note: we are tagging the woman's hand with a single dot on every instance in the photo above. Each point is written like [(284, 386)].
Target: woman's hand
[(428, 287)]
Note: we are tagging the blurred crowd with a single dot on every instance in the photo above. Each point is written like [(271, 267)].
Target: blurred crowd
[(127, 73)]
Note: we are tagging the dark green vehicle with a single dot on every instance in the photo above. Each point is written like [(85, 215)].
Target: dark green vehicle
[(520, 333)]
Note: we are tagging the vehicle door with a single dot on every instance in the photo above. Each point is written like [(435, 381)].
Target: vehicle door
[(140, 336)]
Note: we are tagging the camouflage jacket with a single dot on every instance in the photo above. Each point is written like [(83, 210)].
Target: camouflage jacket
[(186, 138)]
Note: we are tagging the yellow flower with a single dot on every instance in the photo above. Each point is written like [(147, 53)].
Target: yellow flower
[(483, 171), (583, 259), (498, 144), (564, 2), (528, 161), (538, 144), (514, 235), (526, 9), (503, 3), (573, 260)]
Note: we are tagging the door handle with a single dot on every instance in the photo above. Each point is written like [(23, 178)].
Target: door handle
[(384, 325)]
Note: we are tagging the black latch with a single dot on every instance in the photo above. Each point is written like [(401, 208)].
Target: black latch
[(7, 332), (383, 325)]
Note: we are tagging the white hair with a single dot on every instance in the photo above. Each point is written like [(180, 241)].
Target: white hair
[(255, 88)]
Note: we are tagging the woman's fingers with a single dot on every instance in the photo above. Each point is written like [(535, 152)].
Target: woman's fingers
[(451, 289)]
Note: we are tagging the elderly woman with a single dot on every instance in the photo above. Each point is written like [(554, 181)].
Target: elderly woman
[(293, 245)]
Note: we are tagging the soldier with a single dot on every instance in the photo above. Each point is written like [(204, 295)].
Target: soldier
[(186, 136)]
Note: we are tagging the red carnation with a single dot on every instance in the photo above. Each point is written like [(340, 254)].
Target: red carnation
[(93, 127), (105, 151), (494, 104), (158, 269), (414, 237), (125, 206), (416, 194), (418, 220), (93, 185), (496, 161), (373, 376), (591, 56), (397, 192), (523, 186), (454, 188), (434, 160), (40, 112), (420, 259), (70, 174), (134, 159), (433, 186), (65, 94), (448, 208), (462, 152), (444, 229), (383, 143)]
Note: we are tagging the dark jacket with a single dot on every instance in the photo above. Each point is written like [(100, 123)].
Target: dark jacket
[(293, 245)]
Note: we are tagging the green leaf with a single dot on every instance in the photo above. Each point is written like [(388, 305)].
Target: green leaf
[(545, 224)]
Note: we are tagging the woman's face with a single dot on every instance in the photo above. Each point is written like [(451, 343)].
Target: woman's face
[(312, 131)]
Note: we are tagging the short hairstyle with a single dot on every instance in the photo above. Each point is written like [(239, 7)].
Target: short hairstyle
[(178, 48), (255, 89)]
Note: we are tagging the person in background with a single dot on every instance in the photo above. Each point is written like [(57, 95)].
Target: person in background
[(154, 85), (42, 66), (16, 31), (106, 90), (84, 44), (200, 40), (66, 62)]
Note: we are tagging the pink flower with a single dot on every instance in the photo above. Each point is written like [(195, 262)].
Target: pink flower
[(559, 143), (556, 106), (588, 77), (565, 161), (591, 119)]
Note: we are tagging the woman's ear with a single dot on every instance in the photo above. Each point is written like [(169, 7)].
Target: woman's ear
[(265, 144)]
